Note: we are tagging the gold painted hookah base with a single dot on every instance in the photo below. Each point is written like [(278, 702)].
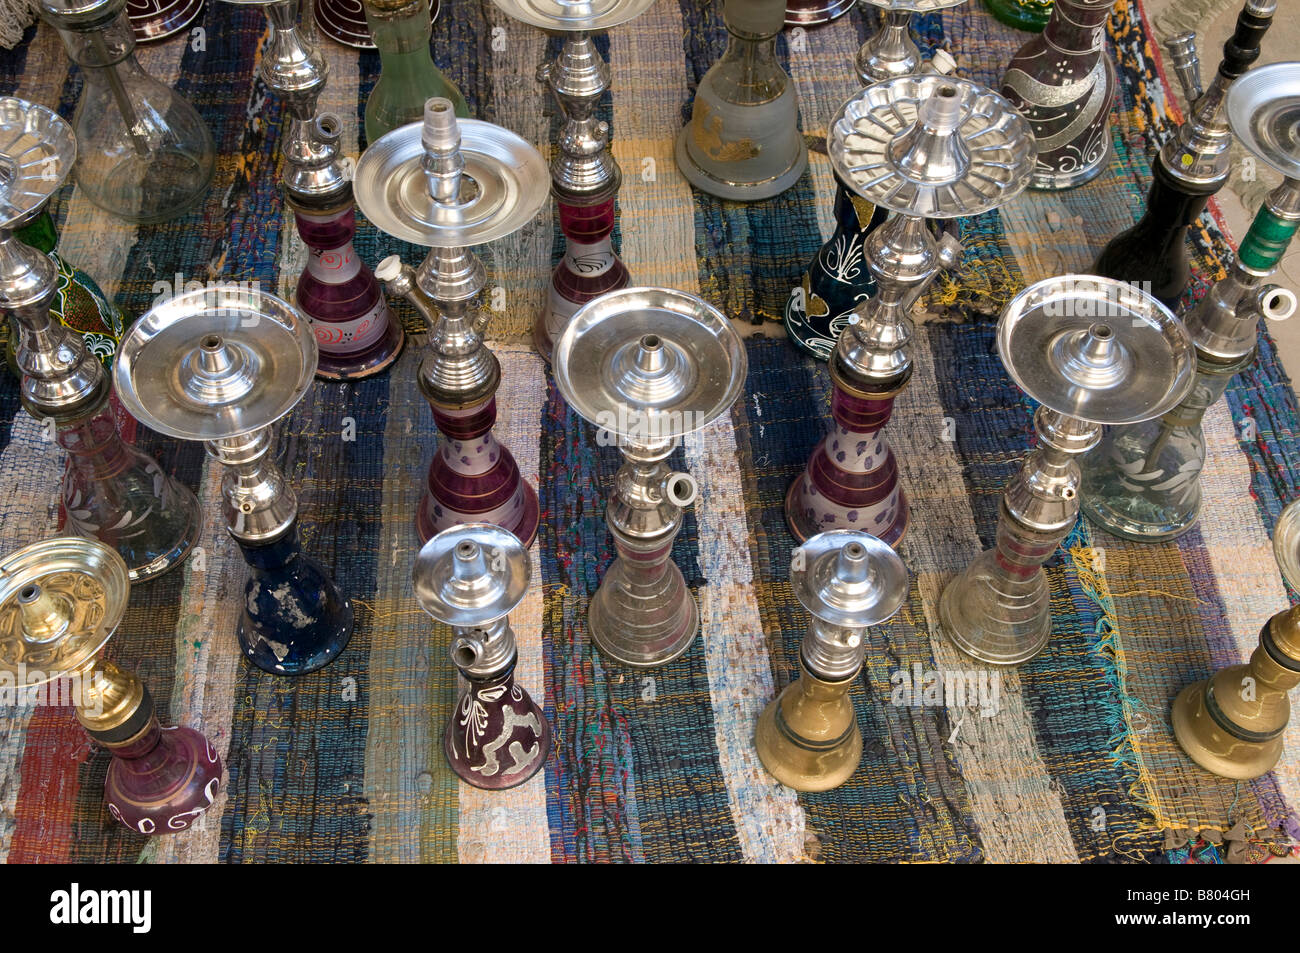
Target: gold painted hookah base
[(1232, 723), (808, 736)]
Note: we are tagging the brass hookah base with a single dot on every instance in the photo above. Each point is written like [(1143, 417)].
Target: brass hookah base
[(808, 737), (1232, 723)]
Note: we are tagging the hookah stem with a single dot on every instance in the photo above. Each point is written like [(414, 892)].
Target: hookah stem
[(138, 139), (307, 24), (1162, 438), (747, 81)]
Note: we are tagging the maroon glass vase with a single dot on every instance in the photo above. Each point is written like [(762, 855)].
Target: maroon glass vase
[(1063, 82), (356, 334)]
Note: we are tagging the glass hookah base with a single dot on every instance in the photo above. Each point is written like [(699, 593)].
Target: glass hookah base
[(300, 625), (643, 626), (147, 804), (815, 12), (1218, 752), (542, 342), (1046, 180), (373, 360), (1130, 516), (501, 780), (737, 191), (995, 618), (525, 529), (185, 520), (794, 762), (813, 336), (803, 527), (155, 188)]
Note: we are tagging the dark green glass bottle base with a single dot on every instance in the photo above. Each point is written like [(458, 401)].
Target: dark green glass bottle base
[(1028, 15)]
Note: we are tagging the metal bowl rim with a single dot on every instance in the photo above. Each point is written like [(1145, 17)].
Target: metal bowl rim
[(599, 309)]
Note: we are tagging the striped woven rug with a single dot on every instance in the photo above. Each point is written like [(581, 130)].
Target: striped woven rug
[(1077, 763)]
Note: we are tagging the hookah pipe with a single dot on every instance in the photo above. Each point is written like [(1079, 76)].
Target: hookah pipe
[(109, 490), (967, 151), (472, 182), (648, 365), (1093, 352), (808, 737), (61, 601), (1192, 166), (585, 178), (239, 360), (471, 577), (1232, 723), (357, 335), (1143, 481), (836, 281)]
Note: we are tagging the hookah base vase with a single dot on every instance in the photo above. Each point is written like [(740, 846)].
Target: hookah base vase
[(569, 292), (473, 478), (153, 540), (295, 620), (815, 12), (1207, 740), (808, 737), (851, 480), (1133, 517), (1060, 181), (166, 789), (738, 191), (120, 496), (836, 280), (356, 332), (806, 517), (994, 615), (374, 360), (639, 622), (434, 516), (498, 737), (590, 268)]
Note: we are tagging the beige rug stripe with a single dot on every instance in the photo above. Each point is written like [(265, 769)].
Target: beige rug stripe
[(29, 511), (95, 241), (769, 820), (46, 69), (821, 63), (1020, 815), (400, 733), (656, 207), (658, 227), (511, 826), (520, 264), (1241, 551), (207, 664)]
